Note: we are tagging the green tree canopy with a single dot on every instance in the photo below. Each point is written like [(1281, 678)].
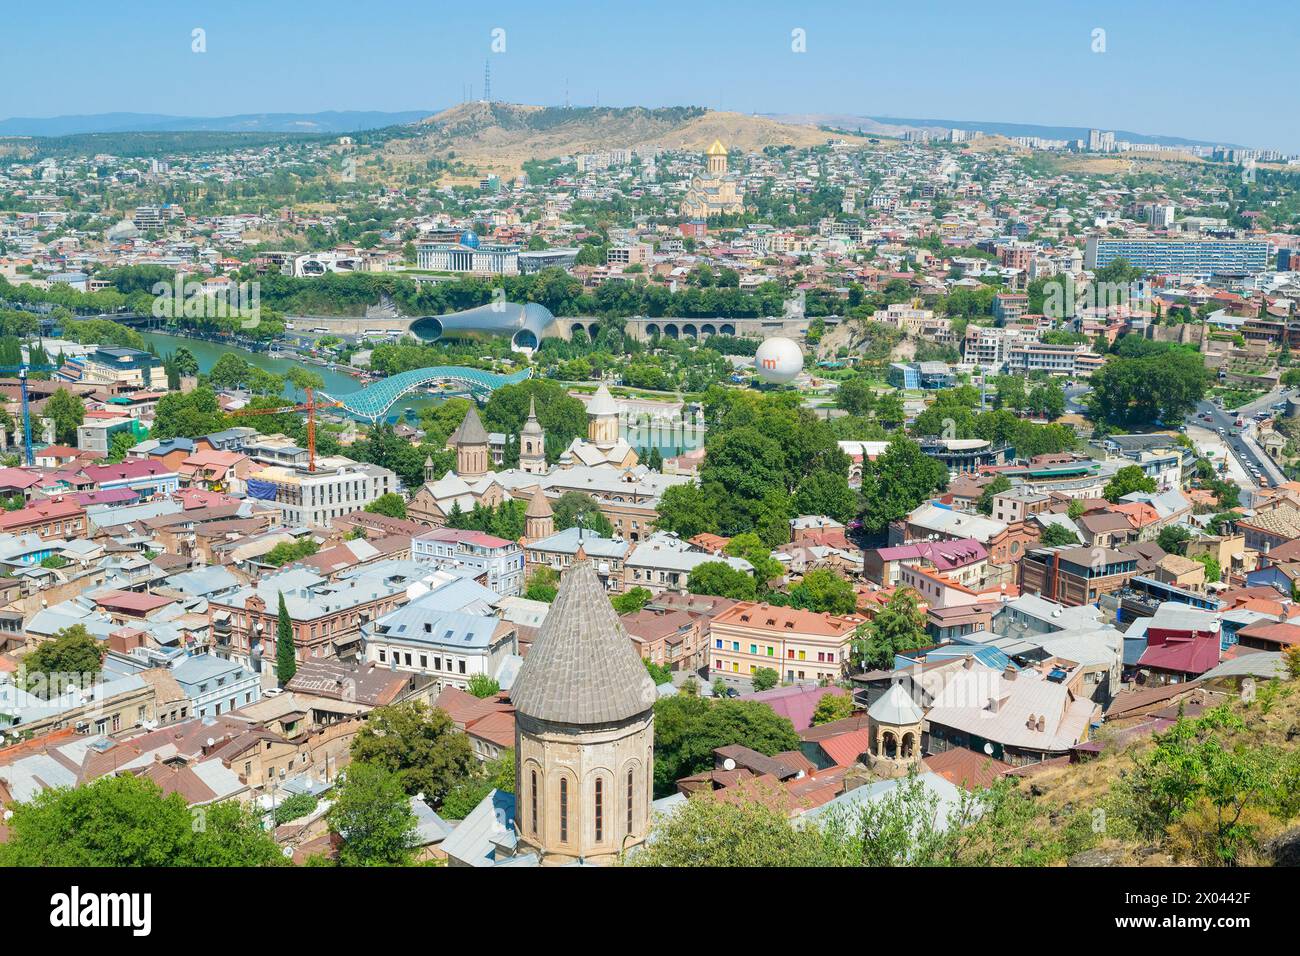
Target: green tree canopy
[(687, 729), (1127, 480), (898, 626), (372, 813), (121, 820), (419, 744)]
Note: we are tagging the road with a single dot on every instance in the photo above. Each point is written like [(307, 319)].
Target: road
[(1239, 440)]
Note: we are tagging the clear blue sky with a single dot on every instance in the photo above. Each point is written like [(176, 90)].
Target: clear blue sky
[(1218, 71)]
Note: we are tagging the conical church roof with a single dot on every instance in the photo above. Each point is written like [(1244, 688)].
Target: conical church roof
[(470, 431), (896, 708), (582, 669), (717, 149), (602, 403), (538, 505)]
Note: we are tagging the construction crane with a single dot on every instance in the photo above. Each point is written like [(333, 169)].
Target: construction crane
[(310, 408), (22, 371)]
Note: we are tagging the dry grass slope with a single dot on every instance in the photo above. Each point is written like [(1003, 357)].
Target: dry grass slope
[(499, 137)]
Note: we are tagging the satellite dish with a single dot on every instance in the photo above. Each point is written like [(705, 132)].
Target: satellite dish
[(988, 749), (729, 764), (211, 741), (287, 852)]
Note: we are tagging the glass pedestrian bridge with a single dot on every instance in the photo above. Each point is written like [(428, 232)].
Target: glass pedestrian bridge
[(373, 402)]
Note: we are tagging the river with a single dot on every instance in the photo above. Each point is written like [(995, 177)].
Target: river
[(670, 439)]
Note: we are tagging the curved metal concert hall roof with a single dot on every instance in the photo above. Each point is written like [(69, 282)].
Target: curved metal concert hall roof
[(523, 323)]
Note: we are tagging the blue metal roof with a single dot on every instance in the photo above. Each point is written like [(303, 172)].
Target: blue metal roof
[(373, 402)]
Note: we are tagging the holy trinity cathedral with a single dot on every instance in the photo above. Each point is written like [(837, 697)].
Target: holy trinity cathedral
[(713, 194)]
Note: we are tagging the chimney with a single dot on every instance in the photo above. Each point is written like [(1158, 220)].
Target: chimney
[(1042, 722), (1030, 722), (1009, 673)]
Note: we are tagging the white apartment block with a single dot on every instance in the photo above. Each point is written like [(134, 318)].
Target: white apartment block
[(501, 560), (317, 498)]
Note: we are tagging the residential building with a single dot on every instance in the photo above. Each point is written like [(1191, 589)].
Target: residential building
[(801, 646), (500, 560)]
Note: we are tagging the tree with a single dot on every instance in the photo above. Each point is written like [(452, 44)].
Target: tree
[(72, 658), (687, 511), (68, 413), (1173, 538), (184, 361), (995, 487), (372, 813), (575, 508), (765, 678), (658, 672), (496, 774), (898, 626), (707, 831), (1055, 535), (543, 585), (631, 601), (419, 744), (1127, 480), (856, 395), (750, 547), (1207, 791), (832, 707), (391, 504), (721, 579), (1164, 386), (188, 416), (897, 481), (286, 654), (121, 443), (827, 493), (480, 685), (688, 728), (122, 820), (1213, 572), (286, 552), (824, 591)]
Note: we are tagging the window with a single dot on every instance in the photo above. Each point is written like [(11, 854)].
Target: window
[(533, 801), (564, 810), (629, 801), (600, 809)]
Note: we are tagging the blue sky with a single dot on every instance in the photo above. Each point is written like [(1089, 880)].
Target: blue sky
[(1205, 70)]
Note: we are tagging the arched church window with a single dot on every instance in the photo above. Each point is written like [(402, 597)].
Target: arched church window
[(564, 810), (600, 809), (629, 801), (533, 800)]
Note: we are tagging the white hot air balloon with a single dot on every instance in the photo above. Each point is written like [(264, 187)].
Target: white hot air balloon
[(778, 360)]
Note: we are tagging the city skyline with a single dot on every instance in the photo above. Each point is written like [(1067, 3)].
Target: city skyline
[(946, 61)]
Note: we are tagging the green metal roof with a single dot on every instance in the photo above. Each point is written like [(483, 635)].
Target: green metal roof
[(373, 402)]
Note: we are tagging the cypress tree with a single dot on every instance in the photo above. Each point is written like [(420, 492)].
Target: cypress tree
[(286, 662)]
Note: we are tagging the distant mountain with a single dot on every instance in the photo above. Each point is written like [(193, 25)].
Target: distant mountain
[(895, 126), (332, 121)]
